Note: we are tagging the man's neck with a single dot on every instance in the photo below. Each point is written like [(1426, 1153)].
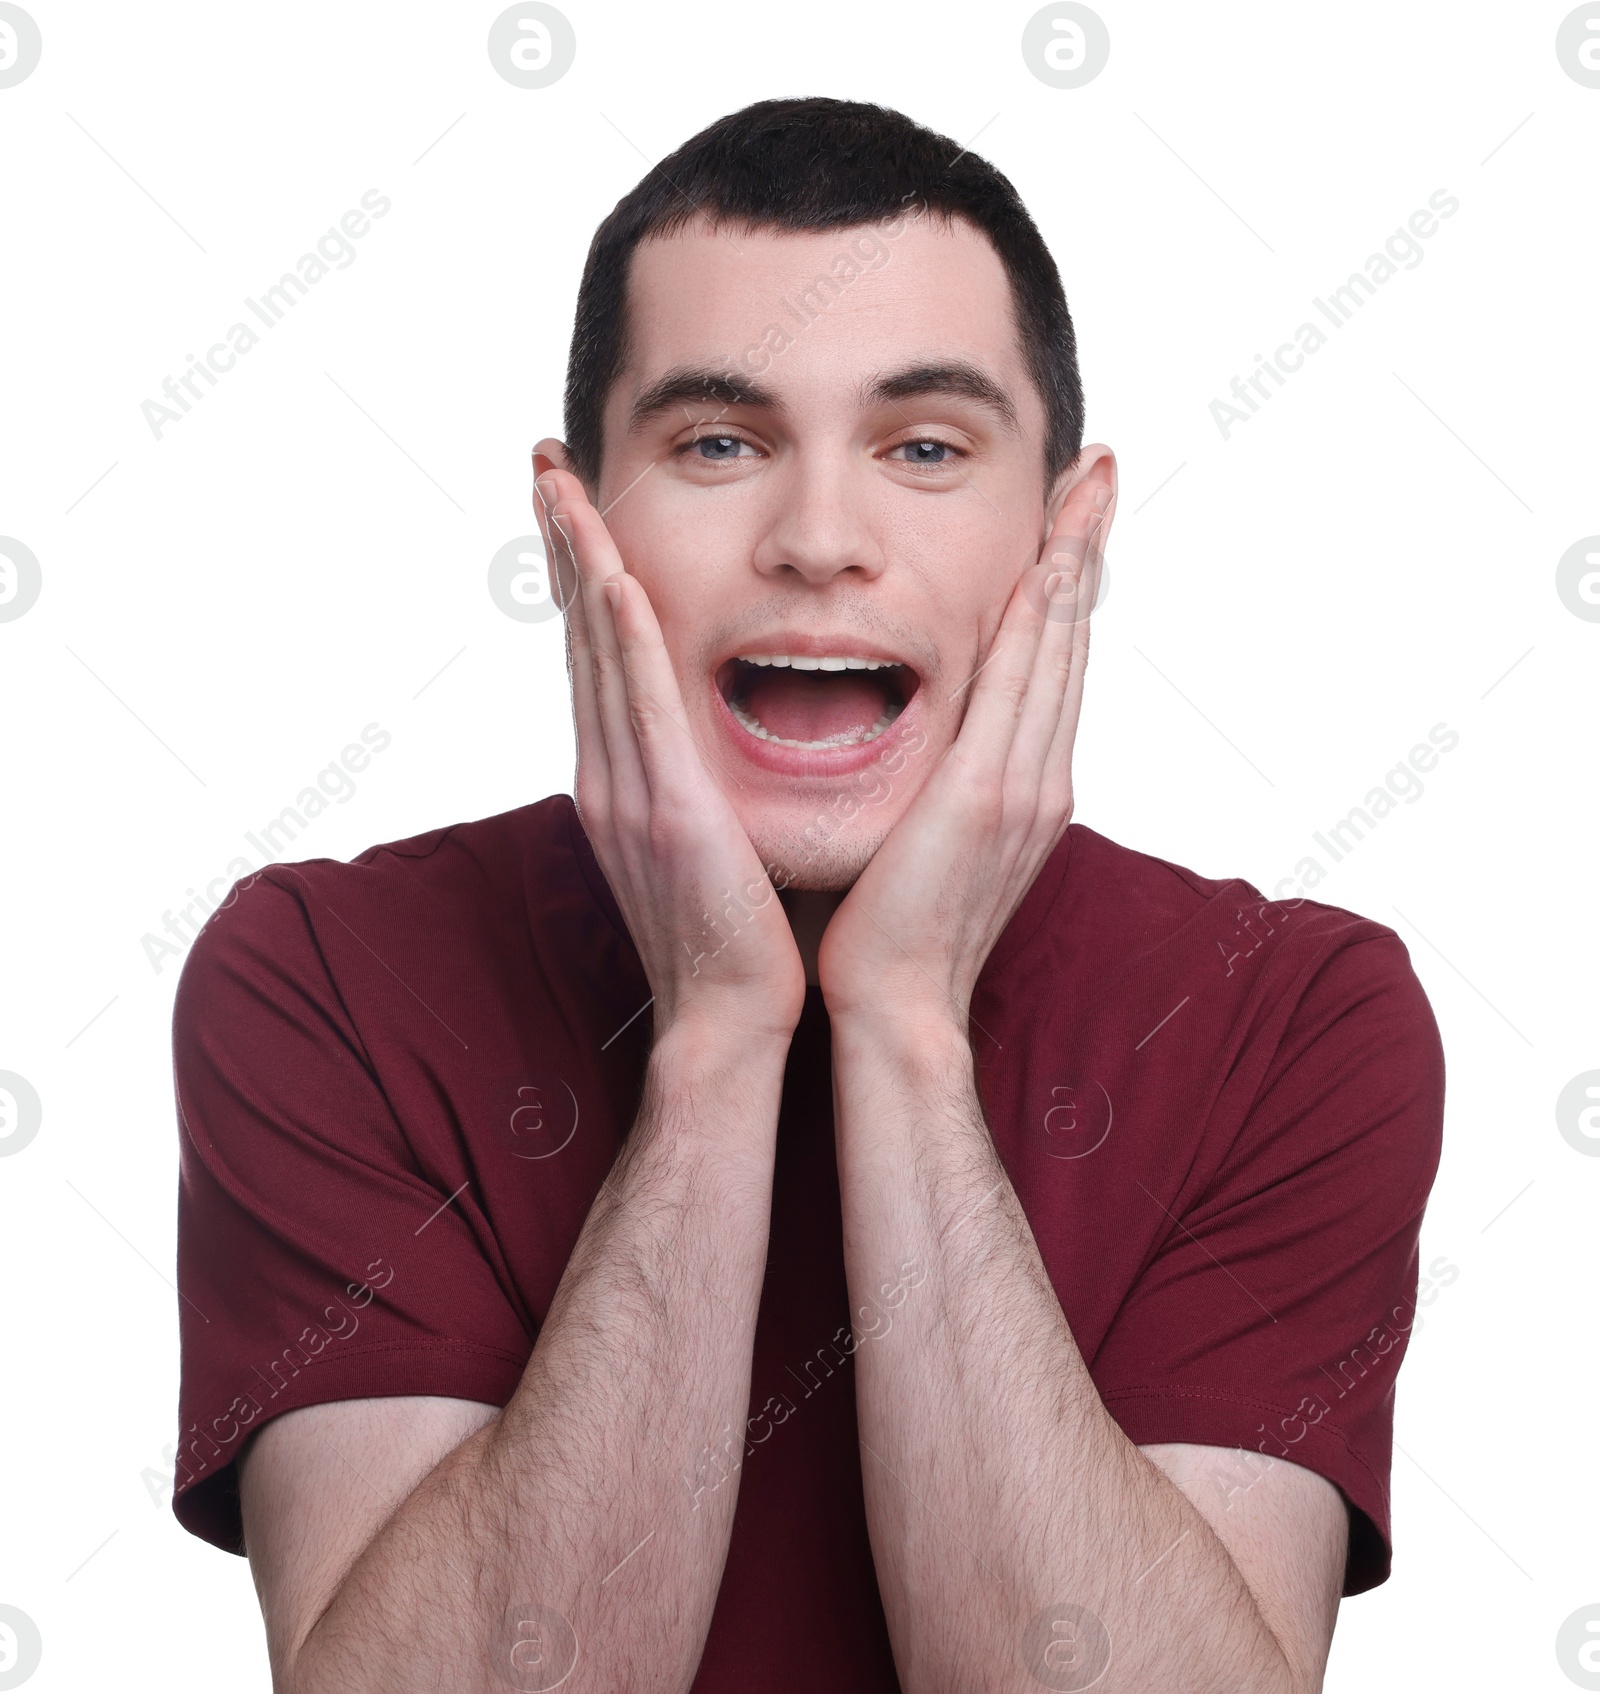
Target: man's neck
[(808, 911)]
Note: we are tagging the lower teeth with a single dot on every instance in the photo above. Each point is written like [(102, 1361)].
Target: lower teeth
[(845, 738)]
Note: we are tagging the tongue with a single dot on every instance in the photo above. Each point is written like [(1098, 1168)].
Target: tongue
[(814, 706)]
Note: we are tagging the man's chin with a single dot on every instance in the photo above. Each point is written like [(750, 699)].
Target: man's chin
[(809, 854)]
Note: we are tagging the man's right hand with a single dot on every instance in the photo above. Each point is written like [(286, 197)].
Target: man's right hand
[(672, 849), (387, 1536)]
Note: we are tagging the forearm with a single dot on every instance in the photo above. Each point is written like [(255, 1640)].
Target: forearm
[(605, 1489), (997, 1484)]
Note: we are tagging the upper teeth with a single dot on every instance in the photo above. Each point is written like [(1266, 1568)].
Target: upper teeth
[(832, 662)]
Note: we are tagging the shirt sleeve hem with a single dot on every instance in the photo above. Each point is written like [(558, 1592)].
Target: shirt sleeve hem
[(207, 1503), (1210, 1417)]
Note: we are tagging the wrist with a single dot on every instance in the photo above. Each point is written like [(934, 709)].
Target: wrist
[(709, 1097), (702, 1051), (922, 1037)]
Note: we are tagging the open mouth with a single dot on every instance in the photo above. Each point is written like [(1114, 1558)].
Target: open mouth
[(815, 702)]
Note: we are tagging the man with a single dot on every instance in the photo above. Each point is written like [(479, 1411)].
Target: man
[(806, 1218)]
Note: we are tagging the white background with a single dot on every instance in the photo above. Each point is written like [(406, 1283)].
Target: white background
[(1290, 610)]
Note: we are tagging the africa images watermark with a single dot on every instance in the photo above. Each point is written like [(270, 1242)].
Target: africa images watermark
[(1403, 249), (335, 784), (333, 249), (336, 1322), (1236, 1471), (717, 1464), (868, 787), (520, 579), (1402, 783), (867, 252)]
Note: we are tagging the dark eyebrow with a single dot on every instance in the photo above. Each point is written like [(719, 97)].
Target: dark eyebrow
[(956, 377), (687, 385)]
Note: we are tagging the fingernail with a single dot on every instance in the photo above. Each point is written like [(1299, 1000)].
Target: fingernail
[(1102, 499), (613, 587), (547, 490)]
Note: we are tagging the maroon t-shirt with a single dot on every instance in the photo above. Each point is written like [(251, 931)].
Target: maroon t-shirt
[(401, 1081)]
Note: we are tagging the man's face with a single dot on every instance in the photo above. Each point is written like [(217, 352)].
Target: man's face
[(845, 473)]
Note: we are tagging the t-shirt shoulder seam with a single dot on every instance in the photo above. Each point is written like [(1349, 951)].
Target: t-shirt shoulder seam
[(1205, 889), (414, 848), (1208, 889), (397, 849)]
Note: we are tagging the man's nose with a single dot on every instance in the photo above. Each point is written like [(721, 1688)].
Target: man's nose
[(821, 522)]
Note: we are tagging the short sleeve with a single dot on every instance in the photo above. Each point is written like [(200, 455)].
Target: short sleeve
[(1277, 1310), (318, 1259)]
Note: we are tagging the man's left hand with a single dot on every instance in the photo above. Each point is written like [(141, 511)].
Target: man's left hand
[(911, 937)]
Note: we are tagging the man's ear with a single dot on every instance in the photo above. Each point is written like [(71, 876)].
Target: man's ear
[(1095, 465)]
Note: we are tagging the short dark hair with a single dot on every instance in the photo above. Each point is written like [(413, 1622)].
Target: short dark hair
[(810, 165)]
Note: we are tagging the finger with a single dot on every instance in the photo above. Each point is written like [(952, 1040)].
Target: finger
[(561, 568), (1056, 787), (1074, 553), (666, 744), (651, 683), (1065, 552), (1016, 706), (560, 565), (595, 558), (1000, 685)]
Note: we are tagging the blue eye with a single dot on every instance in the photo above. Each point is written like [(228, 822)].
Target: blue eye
[(718, 446), (925, 452)]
